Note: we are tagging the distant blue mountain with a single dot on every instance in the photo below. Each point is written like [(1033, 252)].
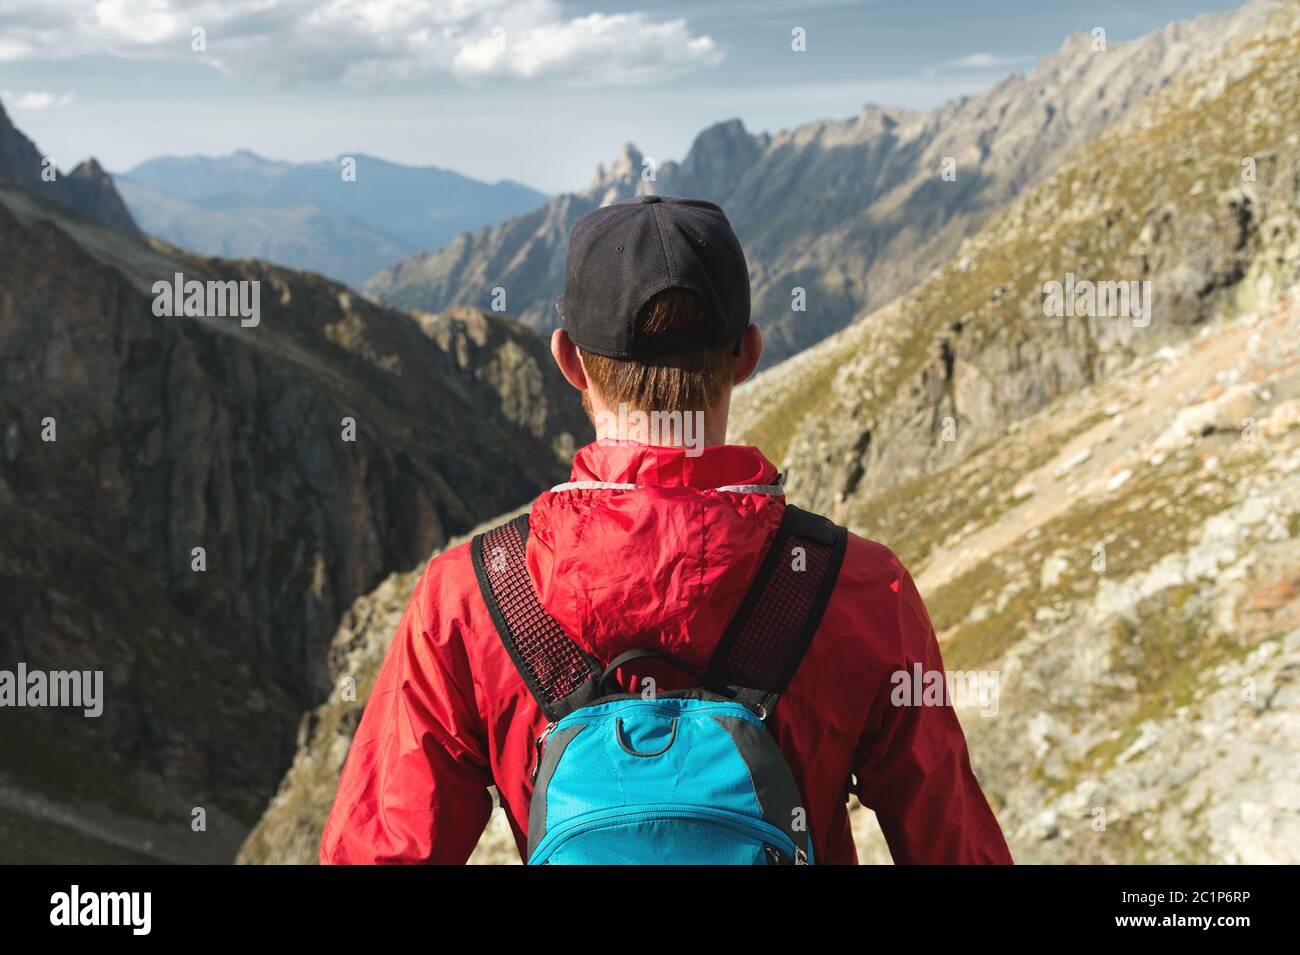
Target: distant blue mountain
[(305, 215)]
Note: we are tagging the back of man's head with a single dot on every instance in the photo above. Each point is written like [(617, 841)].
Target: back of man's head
[(657, 300), (693, 381)]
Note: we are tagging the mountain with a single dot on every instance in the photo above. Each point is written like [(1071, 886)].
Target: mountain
[(525, 255), (1101, 512), (306, 215), (1113, 531), (303, 237), (308, 455), (88, 189), (854, 211), (1162, 197)]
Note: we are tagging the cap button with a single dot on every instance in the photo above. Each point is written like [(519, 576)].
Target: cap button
[(649, 198)]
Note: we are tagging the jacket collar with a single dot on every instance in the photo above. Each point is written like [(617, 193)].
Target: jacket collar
[(645, 465)]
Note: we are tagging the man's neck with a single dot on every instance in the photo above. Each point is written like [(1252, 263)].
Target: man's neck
[(691, 430)]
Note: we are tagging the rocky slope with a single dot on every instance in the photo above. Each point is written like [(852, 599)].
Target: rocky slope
[(87, 189), (130, 439), (854, 211), (1127, 563)]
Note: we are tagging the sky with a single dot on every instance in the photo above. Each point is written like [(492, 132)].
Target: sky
[(538, 91)]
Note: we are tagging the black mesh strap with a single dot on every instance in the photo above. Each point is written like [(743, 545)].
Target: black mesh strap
[(766, 640), (755, 660), (559, 673)]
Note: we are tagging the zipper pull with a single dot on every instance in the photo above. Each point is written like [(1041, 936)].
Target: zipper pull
[(537, 751)]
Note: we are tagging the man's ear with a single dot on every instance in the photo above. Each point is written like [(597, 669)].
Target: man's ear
[(751, 350), (567, 358)]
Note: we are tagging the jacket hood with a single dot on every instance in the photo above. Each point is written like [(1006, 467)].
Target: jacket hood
[(702, 521)]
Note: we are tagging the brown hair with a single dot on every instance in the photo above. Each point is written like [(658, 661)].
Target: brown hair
[(692, 382)]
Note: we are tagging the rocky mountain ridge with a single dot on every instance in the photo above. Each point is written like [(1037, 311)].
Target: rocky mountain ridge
[(853, 211), (87, 189), (1196, 193)]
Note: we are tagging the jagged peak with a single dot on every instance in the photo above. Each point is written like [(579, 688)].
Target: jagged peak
[(625, 165), (879, 118), (88, 169)]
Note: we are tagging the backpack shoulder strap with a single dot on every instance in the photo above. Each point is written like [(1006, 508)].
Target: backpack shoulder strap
[(559, 673), (765, 642)]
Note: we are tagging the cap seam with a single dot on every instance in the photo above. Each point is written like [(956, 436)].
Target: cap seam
[(672, 279)]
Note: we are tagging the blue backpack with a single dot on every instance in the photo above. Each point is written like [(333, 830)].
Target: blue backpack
[(679, 777)]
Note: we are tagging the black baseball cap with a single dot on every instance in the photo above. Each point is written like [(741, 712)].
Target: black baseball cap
[(623, 254)]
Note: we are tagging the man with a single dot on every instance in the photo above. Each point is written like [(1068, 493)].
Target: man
[(652, 546)]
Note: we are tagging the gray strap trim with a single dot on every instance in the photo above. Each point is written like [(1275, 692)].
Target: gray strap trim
[(556, 743), (593, 486), (774, 784), (774, 490)]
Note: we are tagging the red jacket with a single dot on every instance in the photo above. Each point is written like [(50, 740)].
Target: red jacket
[(663, 566)]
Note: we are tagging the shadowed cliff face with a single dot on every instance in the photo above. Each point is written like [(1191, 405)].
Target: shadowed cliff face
[(87, 189), (308, 456), (854, 212), (290, 829)]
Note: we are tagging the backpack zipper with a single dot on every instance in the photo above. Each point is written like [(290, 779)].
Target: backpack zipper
[(537, 752), (766, 833)]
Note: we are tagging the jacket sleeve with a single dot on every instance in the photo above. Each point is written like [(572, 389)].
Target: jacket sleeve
[(913, 769), (415, 785)]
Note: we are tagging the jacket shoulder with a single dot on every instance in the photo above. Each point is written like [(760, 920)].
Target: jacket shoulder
[(450, 572), (875, 599), (869, 562)]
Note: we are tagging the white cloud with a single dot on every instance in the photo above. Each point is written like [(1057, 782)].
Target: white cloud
[(363, 42), (37, 99), (985, 61), (595, 50)]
